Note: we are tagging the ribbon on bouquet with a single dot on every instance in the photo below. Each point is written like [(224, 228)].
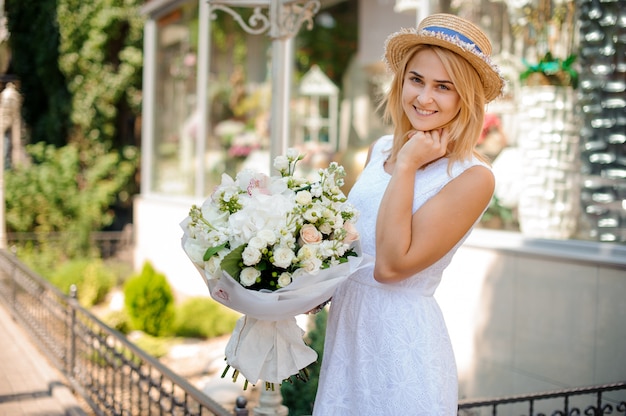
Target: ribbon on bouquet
[(267, 344)]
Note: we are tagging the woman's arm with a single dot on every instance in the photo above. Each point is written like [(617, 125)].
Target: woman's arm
[(407, 243)]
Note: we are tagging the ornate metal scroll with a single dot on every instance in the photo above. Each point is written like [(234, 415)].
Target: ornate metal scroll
[(283, 20)]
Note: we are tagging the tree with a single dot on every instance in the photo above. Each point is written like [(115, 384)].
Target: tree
[(79, 65), (101, 56), (34, 44)]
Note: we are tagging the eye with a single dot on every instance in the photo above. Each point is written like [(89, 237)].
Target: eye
[(443, 87)]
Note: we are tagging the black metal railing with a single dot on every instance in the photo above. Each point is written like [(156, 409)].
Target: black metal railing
[(114, 376), (608, 399)]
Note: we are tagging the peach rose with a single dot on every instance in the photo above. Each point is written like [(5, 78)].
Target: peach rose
[(351, 233), (309, 234)]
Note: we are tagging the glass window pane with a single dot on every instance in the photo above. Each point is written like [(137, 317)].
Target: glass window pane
[(239, 100), (175, 119)]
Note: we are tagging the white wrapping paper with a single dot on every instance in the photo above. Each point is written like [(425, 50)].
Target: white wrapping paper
[(267, 343)]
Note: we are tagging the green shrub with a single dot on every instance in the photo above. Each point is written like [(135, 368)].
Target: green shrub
[(92, 279), (118, 320), (66, 190), (202, 317), (149, 302), (42, 257), (298, 395)]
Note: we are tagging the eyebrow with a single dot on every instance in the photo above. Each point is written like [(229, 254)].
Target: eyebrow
[(437, 81)]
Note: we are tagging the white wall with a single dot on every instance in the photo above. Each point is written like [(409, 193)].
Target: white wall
[(528, 315), (158, 240)]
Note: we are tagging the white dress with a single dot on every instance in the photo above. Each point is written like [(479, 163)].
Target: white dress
[(387, 349)]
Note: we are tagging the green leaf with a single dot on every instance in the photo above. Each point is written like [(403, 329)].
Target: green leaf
[(211, 251), (232, 262)]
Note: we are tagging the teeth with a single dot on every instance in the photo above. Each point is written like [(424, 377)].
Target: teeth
[(424, 112)]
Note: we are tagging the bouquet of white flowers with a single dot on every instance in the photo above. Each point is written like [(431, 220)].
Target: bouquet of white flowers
[(271, 248)]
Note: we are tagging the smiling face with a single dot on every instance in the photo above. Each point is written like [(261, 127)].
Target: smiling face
[(429, 98)]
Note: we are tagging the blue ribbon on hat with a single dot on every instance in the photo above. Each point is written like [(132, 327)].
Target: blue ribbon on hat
[(451, 32)]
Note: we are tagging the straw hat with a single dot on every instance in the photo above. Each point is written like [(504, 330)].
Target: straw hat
[(453, 33)]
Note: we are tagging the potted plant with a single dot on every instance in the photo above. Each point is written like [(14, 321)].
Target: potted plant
[(551, 71)]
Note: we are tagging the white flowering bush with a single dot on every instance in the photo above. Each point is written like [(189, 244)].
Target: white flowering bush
[(267, 231)]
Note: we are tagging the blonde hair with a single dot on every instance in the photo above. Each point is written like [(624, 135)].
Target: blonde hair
[(465, 127)]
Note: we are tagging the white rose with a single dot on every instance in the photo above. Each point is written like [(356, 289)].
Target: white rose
[(257, 242), (326, 228), (304, 197), (284, 279), (311, 265), (251, 256), (248, 276), (283, 256)]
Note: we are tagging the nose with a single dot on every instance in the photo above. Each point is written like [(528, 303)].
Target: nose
[(425, 96)]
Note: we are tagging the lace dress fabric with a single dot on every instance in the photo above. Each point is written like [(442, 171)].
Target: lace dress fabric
[(387, 349)]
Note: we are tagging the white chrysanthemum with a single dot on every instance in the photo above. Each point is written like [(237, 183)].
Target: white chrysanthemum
[(284, 279), (251, 256), (248, 276), (282, 257)]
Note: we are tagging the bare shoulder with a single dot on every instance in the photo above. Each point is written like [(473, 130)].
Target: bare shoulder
[(477, 181)]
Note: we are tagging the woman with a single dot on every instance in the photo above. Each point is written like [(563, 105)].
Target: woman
[(387, 349)]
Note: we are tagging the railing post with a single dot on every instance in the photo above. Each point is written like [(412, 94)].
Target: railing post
[(13, 284), (72, 357), (240, 406)]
